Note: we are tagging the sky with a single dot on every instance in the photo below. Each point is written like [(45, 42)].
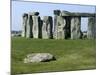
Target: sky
[(45, 9)]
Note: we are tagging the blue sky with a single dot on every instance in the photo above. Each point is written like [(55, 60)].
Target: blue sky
[(20, 7)]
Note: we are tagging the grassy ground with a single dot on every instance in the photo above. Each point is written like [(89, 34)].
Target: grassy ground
[(70, 55)]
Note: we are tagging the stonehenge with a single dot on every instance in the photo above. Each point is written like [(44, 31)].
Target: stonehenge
[(64, 25)]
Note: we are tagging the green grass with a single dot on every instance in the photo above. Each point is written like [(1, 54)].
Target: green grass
[(70, 54)]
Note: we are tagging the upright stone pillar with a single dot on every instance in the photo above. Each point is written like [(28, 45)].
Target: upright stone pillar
[(75, 27), (24, 19), (67, 27), (29, 26), (56, 13), (55, 27), (61, 23), (36, 25), (59, 26), (91, 33), (36, 20), (47, 27)]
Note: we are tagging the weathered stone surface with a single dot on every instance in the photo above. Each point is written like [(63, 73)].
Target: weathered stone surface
[(36, 24), (55, 28), (34, 13), (91, 33), (65, 13), (57, 12), (60, 28), (29, 26), (78, 14), (24, 24), (61, 25), (67, 28), (75, 28), (39, 57), (47, 27)]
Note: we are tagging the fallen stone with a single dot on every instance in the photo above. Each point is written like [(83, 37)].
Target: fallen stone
[(39, 57)]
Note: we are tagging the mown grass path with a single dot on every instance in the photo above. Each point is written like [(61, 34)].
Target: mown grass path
[(70, 55)]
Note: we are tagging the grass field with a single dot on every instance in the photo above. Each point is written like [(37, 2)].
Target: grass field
[(70, 54)]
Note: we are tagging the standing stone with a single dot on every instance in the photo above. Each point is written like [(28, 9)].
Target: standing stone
[(29, 26), (40, 27), (56, 13), (75, 27), (91, 33), (47, 27), (36, 24), (67, 17), (55, 27), (24, 18), (59, 25), (67, 27)]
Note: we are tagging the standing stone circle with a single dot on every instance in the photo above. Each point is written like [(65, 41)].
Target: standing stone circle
[(64, 25)]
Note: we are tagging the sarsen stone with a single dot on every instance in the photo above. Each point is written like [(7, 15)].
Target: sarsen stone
[(38, 57)]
